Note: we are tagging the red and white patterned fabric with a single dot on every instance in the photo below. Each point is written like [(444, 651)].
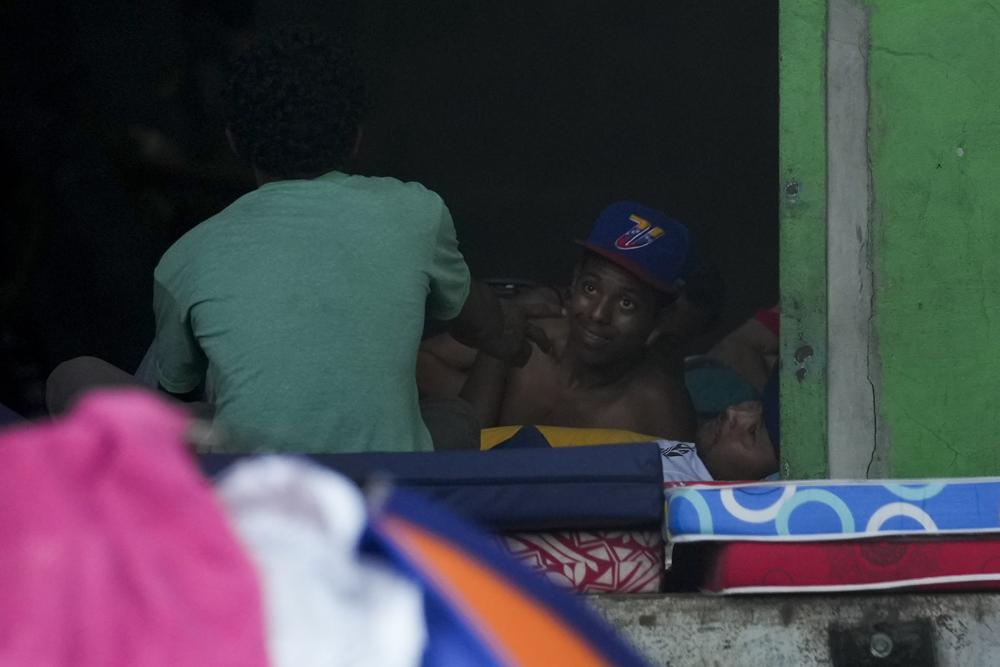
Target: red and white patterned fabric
[(593, 562), (768, 567)]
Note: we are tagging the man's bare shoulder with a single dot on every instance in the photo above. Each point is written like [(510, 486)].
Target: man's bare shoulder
[(661, 403), (652, 379)]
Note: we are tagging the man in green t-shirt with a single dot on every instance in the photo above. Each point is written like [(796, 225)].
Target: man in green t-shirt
[(297, 311)]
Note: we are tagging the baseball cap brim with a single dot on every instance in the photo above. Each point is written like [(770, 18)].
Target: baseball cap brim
[(631, 267)]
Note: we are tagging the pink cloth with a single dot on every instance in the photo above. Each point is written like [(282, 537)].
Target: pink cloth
[(113, 549)]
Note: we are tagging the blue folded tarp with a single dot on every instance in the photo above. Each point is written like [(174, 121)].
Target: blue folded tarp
[(572, 488)]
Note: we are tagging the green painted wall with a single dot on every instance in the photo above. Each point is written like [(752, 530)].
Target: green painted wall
[(802, 157), (934, 140)]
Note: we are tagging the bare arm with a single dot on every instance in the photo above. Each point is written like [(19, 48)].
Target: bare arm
[(485, 387), (481, 318), (501, 330), (443, 365)]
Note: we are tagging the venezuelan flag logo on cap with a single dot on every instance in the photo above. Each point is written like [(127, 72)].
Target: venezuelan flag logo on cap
[(641, 235)]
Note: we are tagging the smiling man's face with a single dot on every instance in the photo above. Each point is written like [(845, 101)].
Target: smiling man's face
[(612, 314)]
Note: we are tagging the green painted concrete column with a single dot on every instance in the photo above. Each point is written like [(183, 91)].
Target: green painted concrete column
[(933, 146), (802, 147), (934, 142)]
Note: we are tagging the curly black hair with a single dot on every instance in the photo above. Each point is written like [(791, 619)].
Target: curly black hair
[(294, 102)]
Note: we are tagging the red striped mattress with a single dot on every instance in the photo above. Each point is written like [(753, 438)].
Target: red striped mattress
[(951, 563)]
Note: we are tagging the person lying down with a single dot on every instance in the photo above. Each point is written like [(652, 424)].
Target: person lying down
[(741, 443)]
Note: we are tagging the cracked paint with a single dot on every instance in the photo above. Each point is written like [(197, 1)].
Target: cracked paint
[(935, 160)]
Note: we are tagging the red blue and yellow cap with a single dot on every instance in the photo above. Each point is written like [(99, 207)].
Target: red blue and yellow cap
[(645, 242)]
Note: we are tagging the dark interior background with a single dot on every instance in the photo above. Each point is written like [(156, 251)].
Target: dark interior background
[(527, 117)]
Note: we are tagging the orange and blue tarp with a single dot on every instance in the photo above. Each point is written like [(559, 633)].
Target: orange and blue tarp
[(482, 608)]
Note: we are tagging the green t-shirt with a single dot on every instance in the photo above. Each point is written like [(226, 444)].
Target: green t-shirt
[(301, 306)]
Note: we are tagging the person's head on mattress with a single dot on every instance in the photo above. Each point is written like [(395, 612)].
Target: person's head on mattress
[(743, 441)]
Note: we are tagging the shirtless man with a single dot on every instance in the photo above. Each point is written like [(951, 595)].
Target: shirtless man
[(597, 374)]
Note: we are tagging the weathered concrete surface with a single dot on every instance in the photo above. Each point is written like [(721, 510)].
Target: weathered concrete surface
[(853, 375), (764, 631), (934, 80)]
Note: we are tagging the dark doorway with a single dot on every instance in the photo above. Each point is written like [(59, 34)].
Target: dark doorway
[(527, 117)]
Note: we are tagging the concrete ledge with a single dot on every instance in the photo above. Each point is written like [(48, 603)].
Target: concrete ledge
[(796, 629)]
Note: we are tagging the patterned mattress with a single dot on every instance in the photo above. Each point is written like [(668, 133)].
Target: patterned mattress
[(797, 511), (830, 536), (592, 561)]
